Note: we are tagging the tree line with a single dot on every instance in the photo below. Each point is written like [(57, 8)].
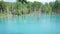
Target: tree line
[(22, 7)]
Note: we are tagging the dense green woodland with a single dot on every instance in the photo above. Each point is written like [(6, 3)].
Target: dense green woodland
[(23, 7)]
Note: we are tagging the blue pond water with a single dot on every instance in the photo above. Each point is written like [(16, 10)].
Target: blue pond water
[(44, 24)]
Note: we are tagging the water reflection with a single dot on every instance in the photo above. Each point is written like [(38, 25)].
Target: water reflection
[(43, 24)]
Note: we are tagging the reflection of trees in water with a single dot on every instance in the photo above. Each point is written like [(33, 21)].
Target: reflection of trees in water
[(24, 19), (3, 20)]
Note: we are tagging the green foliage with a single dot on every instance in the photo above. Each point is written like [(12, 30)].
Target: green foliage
[(36, 6), (22, 7), (18, 12)]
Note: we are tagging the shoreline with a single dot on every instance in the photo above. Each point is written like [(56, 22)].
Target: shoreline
[(31, 14)]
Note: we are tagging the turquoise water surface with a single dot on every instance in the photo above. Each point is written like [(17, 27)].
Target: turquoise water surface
[(43, 24)]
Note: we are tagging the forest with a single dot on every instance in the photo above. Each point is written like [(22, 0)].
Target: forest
[(24, 7)]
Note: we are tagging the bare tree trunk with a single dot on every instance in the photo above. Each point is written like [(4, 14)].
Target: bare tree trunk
[(1, 11)]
